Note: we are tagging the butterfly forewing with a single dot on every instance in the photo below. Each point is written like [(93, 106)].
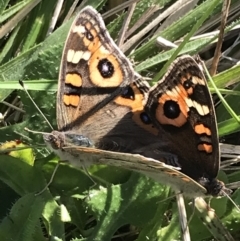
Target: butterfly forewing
[(90, 65), (99, 101)]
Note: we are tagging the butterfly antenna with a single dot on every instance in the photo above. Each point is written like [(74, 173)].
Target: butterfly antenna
[(29, 96), (36, 132)]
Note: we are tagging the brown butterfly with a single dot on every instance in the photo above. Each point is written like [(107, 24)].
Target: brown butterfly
[(106, 116)]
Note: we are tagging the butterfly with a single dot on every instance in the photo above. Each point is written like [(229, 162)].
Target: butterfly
[(107, 115)]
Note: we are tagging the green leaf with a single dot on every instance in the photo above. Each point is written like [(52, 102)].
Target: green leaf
[(133, 202), (23, 222)]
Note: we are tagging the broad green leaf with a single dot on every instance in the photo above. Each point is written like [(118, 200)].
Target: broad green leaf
[(133, 202), (23, 221)]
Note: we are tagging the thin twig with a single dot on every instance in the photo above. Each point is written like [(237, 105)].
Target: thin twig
[(228, 50), (182, 217), (140, 22), (13, 106), (165, 44), (118, 8), (207, 35), (6, 28), (217, 54), (155, 22), (229, 148), (125, 25), (183, 10), (209, 24), (71, 10), (55, 17)]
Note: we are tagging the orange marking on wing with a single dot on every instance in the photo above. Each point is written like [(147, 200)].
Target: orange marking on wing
[(136, 106), (205, 147), (71, 100), (182, 91), (185, 179), (99, 52), (182, 118), (92, 45), (190, 91), (148, 127), (73, 79), (171, 173), (201, 129), (97, 79), (136, 103), (183, 79)]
